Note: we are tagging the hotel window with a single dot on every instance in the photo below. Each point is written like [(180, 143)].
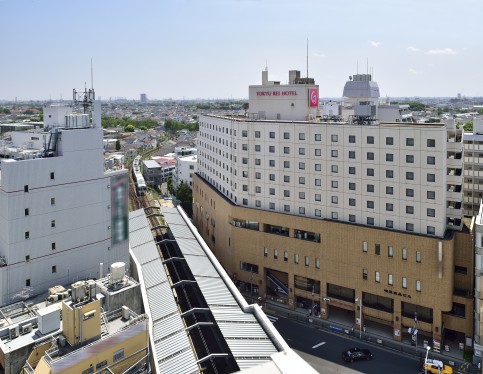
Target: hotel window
[(431, 143), (245, 202), (285, 256), (352, 202), (286, 150), (431, 195), (26, 188), (334, 184), (390, 251), (318, 152), (370, 172), (409, 175), (364, 273), (257, 162), (258, 203), (418, 256), (244, 147), (409, 192), (370, 221), (286, 164), (286, 178), (258, 189), (271, 163), (389, 157), (318, 197), (370, 140), (52, 223), (352, 154), (301, 210), (296, 259), (317, 263), (389, 224), (404, 282), (302, 195), (258, 147), (378, 277), (318, 212), (301, 165), (389, 174), (244, 133), (244, 160), (352, 186), (389, 140), (352, 138), (370, 204), (271, 206), (377, 249), (431, 177), (286, 135), (389, 279), (430, 230), (52, 201), (334, 153), (27, 234), (275, 254), (306, 261), (271, 135), (318, 182), (389, 190), (410, 142), (258, 175), (404, 254), (265, 252), (370, 188), (410, 159), (54, 269), (271, 177), (27, 258), (52, 175), (318, 167), (352, 170), (286, 193), (301, 151), (409, 227), (409, 209), (118, 355), (334, 168), (334, 215), (26, 211), (286, 208), (334, 200), (257, 134), (245, 187), (27, 282), (301, 136), (370, 155), (364, 246), (418, 286), (389, 207), (301, 180), (318, 137), (271, 149), (352, 218), (334, 138), (431, 160), (271, 191)]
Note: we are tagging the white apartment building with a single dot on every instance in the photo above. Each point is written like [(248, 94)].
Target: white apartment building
[(61, 214), (186, 165), (473, 170), (281, 158)]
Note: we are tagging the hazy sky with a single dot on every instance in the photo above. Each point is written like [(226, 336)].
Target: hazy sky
[(216, 48)]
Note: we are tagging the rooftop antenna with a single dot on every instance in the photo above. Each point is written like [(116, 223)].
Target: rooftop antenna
[(367, 66), (357, 66), (92, 76), (307, 59)]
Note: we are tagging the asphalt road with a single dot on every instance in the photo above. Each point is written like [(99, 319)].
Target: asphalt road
[(328, 346)]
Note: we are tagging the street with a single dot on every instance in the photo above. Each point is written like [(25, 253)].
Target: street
[(329, 347)]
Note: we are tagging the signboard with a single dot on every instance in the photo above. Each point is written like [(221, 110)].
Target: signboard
[(313, 97), (119, 208), (436, 345)]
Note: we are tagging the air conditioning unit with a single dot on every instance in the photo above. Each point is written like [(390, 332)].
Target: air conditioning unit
[(25, 329), (13, 332)]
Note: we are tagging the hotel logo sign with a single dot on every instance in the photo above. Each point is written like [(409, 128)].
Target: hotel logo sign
[(313, 97)]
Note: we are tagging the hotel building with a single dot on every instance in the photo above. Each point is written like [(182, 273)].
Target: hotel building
[(357, 215)]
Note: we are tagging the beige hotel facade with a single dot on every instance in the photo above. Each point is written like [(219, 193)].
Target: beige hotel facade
[(341, 214)]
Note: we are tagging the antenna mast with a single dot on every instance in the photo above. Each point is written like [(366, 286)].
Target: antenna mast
[(307, 59), (92, 77)]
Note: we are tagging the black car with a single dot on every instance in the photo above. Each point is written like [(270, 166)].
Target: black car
[(356, 354)]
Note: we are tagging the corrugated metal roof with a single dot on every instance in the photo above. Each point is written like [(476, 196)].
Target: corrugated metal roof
[(181, 231), (190, 247), (251, 348), (169, 325), (215, 292), (173, 344), (153, 274), (145, 253), (201, 266), (140, 237), (181, 363), (161, 301)]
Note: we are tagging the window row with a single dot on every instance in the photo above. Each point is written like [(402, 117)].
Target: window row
[(390, 251), (390, 279), (295, 257)]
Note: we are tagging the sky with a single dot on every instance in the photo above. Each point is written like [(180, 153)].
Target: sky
[(215, 49)]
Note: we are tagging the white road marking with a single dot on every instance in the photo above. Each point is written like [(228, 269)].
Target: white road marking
[(318, 345), (272, 319)]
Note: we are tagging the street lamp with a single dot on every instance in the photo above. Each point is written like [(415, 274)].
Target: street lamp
[(360, 317), (428, 348)]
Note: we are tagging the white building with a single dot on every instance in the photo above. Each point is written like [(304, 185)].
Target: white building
[(186, 165), (473, 172), (400, 176), (61, 214)]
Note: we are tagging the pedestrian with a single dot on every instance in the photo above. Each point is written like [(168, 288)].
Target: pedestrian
[(364, 329), (352, 330), (479, 365)]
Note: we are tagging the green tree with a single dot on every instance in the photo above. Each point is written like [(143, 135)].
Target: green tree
[(185, 196), (118, 145), (468, 126), (416, 106), (171, 189), (480, 111), (129, 128)]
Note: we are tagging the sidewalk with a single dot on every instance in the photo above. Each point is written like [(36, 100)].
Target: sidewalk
[(375, 334)]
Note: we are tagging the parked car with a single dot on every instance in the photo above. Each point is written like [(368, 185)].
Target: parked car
[(436, 367), (356, 354)]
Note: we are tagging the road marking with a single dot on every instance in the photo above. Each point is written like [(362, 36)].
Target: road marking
[(318, 345), (272, 319)]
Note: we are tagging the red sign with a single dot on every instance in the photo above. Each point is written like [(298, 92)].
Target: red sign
[(313, 97)]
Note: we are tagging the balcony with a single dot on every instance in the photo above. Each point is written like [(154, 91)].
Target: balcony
[(454, 223), (277, 230), (306, 235)]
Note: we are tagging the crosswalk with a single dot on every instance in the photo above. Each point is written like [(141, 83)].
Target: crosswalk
[(272, 319)]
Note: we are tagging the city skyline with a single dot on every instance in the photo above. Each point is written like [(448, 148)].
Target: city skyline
[(214, 49)]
